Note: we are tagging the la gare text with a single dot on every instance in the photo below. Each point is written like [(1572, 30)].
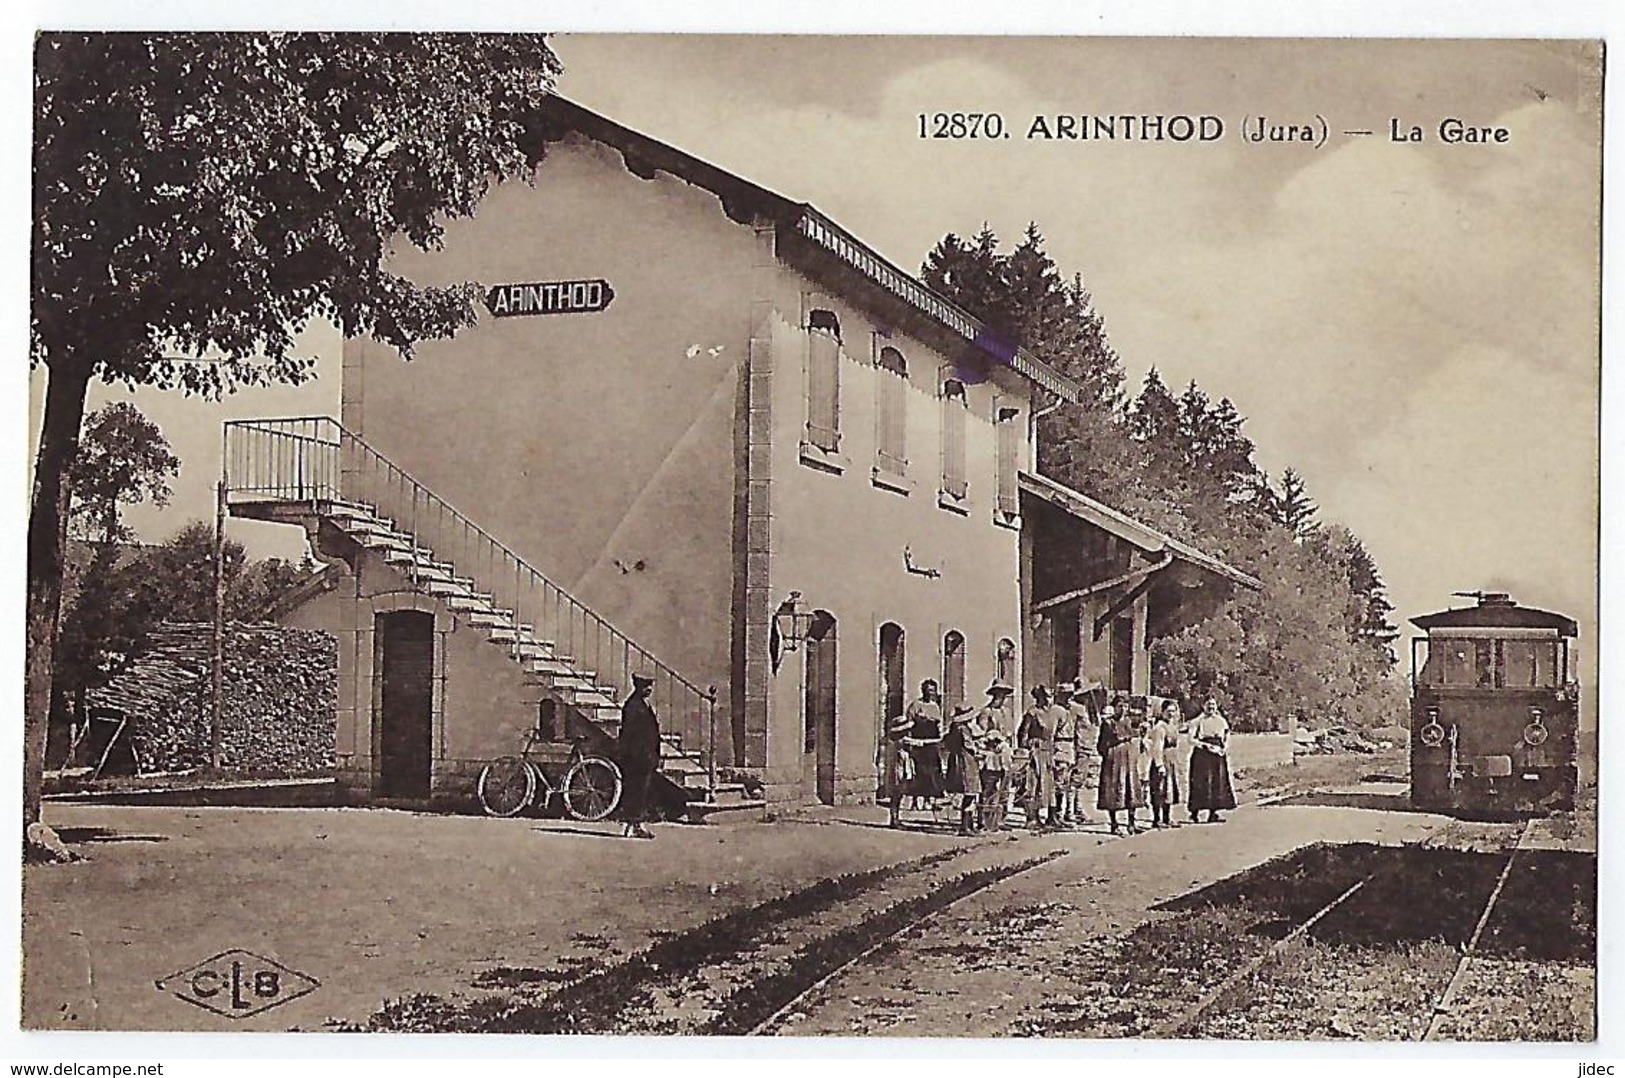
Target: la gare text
[(1185, 127)]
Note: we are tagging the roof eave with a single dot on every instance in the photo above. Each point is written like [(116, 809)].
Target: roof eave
[(743, 200), (1127, 528)]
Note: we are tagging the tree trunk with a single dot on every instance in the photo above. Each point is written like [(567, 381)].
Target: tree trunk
[(47, 538)]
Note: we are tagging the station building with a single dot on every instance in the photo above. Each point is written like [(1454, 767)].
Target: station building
[(703, 432)]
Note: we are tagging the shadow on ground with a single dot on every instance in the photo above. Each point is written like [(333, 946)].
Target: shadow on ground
[(1547, 909), (75, 836)]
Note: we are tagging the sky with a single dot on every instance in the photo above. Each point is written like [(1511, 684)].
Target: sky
[(1413, 326)]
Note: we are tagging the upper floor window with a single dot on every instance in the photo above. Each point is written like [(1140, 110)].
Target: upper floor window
[(824, 380), (955, 406), (1008, 428), (892, 435)]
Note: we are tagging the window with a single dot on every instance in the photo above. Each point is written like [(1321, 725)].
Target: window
[(955, 404), (1008, 428), (1530, 664), (824, 380), (892, 437), (953, 672)]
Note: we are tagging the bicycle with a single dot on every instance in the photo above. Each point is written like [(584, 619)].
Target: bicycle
[(590, 786)]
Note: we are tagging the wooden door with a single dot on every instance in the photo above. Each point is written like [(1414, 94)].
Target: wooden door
[(405, 723), (818, 707), (893, 687)]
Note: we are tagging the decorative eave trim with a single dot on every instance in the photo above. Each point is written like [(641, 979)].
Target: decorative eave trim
[(819, 229)]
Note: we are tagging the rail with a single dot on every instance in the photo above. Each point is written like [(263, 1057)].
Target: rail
[(314, 460)]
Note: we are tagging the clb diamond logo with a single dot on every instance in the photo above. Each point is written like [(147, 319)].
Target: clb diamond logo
[(238, 984)]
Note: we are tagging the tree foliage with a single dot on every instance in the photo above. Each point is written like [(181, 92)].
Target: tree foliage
[(208, 194), (124, 459), (1316, 639)]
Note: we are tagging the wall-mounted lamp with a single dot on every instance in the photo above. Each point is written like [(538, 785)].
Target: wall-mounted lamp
[(792, 622)]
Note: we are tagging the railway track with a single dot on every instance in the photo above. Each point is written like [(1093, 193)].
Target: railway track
[(1442, 1009), (1438, 839)]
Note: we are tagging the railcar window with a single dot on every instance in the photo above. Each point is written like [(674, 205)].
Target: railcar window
[(1530, 664), (1455, 666)]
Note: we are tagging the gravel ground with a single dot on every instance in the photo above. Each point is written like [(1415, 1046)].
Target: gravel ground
[(1504, 1000), (1312, 991)]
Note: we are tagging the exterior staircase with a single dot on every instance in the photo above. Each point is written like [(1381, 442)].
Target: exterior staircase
[(313, 472)]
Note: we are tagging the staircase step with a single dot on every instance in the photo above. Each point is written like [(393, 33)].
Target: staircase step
[(350, 509), (445, 589), (406, 555), (744, 808), (470, 603), (388, 542), (547, 671), (503, 631)]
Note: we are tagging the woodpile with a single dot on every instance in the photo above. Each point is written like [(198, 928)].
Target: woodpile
[(279, 690)]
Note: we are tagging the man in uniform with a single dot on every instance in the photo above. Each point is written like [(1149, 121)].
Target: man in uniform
[(638, 752), (1066, 756)]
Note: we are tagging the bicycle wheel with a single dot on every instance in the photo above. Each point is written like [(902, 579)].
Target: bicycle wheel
[(506, 786), (592, 788)]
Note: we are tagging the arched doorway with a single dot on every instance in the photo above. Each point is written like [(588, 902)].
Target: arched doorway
[(818, 708), (893, 687), (403, 730)]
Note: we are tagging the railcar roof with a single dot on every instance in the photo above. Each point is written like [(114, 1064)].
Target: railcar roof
[(1504, 614)]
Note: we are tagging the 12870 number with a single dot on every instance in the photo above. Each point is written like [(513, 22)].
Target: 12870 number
[(962, 125)]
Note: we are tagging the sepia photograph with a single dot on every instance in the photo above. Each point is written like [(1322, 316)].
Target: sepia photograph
[(813, 536)]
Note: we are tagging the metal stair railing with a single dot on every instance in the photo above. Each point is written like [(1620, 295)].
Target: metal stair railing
[(314, 460)]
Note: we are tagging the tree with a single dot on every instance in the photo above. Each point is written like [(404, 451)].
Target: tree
[(176, 578), (198, 198), (1291, 507), (123, 460), (1023, 299)]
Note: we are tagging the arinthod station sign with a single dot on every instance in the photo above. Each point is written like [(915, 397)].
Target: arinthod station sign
[(549, 297)]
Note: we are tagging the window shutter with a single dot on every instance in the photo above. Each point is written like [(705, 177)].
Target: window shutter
[(824, 380), (1009, 451), (954, 407), (892, 374)]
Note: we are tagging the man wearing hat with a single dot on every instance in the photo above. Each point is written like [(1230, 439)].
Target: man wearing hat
[(995, 758), (638, 752)]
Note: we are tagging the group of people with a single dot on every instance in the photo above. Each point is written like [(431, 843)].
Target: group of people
[(1125, 748)]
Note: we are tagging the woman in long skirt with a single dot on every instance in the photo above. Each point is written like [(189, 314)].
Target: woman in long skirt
[(925, 746), (1120, 784), (1210, 764), (961, 747)]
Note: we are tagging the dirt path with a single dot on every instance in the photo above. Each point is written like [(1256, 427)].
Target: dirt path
[(379, 904)]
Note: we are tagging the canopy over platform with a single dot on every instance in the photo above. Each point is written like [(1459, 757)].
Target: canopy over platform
[(1095, 562)]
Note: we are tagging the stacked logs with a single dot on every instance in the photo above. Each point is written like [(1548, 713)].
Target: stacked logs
[(279, 697)]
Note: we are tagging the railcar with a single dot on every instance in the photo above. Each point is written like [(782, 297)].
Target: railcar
[(1495, 709)]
